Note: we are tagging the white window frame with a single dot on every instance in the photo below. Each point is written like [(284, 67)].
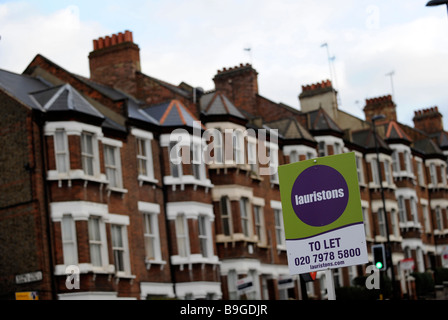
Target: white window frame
[(190, 210), (403, 216), (414, 211), (76, 128), (176, 170), (226, 216), (260, 229), (322, 148), (395, 223), (238, 147), (82, 211), (408, 162), (151, 235), (87, 156), (360, 168), (246, 219), (395, 162), (69, 259), (439, 218), (279, 225), (252, 155), (114, 168), (197, 163), (426, 219), (365, 215), (387, 172), (121, 249), (273, 162), (61, 153), (150, 212), (205, 235), (375, 172), (182, 236), (100, 243), (146, 139), (420, 174), (381, 223)]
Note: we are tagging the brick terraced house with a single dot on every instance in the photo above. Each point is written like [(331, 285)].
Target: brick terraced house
[(93, 204)]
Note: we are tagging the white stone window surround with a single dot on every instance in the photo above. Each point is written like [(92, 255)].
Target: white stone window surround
[(81, 211), (153, 209), (147, 137), (186, 141), (76, 128), (192, 210), (403, 173), (371, 157)]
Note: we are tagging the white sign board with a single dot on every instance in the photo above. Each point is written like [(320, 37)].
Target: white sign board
[(324, 227), (245, 285), (29, 277)]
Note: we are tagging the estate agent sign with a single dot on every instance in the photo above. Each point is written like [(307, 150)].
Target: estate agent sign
[(322, 214)]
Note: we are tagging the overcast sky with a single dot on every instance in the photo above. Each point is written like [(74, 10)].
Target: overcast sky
[(190, 40)]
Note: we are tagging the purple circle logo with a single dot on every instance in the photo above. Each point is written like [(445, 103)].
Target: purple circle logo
[(319, 195)]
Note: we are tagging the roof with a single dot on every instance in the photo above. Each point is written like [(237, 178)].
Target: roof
[(427, 147), (319, 120), (394, 131), (172, 114), (216, 103), (20, 85), (290, 128), (441, 138), (366, 139), (63, 98)]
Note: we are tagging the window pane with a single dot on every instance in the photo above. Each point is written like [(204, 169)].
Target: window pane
[(95, 255), (181, 236), (94, 229), (225, 215), (202, 221), (117, 238), (67, 228), (119, 260)]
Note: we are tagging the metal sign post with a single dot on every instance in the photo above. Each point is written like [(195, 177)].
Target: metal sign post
[(329, 281)]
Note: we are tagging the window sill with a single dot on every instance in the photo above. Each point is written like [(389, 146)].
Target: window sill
[(60, 269), (118, 190), (53, 175), (194, 259), (149, 263), (443, 232), (143, 179), (187, 180), (410, 225), (120, 275)]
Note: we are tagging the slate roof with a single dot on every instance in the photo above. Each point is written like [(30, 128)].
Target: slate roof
[(427, 147), (171, 114), (441, 138), (290, 128), (20, 85), (366, 139), (319, 120), (394, 131), (63, 98), (216, 103)]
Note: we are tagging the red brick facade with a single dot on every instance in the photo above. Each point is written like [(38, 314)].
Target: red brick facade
[(193, 230)]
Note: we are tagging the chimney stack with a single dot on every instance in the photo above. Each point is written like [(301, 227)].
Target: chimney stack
[(240, 84), (319, 95), (381, 105), (428, 120), (115, 60)]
